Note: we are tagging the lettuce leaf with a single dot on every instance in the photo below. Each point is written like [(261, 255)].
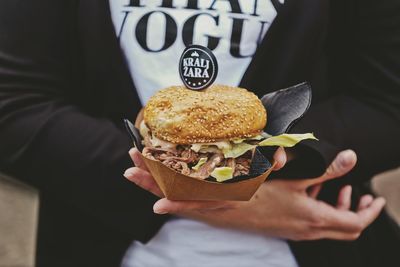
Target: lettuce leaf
[(237, 150), (222, 174), (199, 164), (196, 147), (238, 147), (286, 140)]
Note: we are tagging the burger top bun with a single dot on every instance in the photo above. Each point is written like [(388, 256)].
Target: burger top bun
[(220, 112)]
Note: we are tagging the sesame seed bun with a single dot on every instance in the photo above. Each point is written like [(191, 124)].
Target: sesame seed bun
[(220, 112)]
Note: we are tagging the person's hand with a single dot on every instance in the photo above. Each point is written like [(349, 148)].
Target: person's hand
[(282, 208)]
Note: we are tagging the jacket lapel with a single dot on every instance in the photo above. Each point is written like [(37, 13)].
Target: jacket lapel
[(291, 47), (107, 76)]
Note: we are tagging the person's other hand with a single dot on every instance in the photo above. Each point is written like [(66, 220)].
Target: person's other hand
[(282, 208)]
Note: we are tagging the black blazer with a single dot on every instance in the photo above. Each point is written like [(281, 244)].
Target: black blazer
[(64, 87)]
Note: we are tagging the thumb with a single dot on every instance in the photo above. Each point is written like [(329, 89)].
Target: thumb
[(137, 159), (341, 165)]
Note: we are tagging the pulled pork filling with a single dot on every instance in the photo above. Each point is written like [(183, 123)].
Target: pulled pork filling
[(183, 159), (199, 160)]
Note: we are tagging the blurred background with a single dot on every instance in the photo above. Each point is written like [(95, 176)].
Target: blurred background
[(19, 212)]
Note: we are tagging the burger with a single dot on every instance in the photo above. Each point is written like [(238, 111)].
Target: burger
[(207, 134)]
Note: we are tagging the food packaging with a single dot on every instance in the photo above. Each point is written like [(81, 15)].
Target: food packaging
[(284, 108)]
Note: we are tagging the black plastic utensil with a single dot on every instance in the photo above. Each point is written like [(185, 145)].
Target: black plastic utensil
[(134, 134), (285, 107)]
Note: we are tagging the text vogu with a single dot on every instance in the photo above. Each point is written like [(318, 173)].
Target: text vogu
[(188, 29)]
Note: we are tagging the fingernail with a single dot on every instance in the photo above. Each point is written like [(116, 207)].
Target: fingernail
[(159, 211), (132, 150), (128, 174), (346, 158)]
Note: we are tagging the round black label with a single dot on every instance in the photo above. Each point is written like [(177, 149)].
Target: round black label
[(198, 67)]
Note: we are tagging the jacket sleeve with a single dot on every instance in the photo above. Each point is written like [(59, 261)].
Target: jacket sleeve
[(363, 111), (341, 123), (48, 141)]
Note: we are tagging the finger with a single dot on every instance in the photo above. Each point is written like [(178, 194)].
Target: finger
[(369, 214), (337, 235), (313, 191), (344, 198), (164, 206), (365, 201), (144, 180), (137, 159), (342, 164), (348, 221), (279, 158)]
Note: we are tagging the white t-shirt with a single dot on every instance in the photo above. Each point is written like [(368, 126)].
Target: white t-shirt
[(187, 243), (153, 35)]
